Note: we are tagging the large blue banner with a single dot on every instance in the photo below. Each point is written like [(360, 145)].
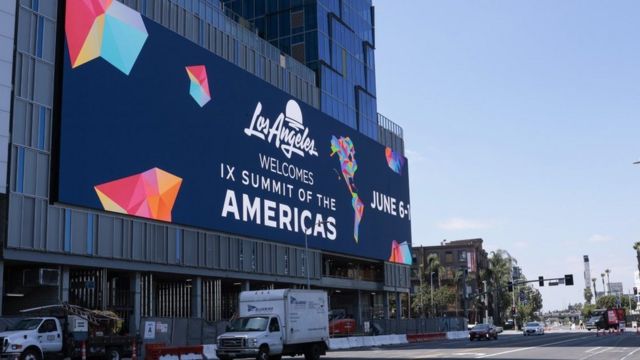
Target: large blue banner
[(152, 125)]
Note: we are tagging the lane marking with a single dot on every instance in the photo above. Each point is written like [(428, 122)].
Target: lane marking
[(629, 354), (596, 353), (594, 349), (531, 347)]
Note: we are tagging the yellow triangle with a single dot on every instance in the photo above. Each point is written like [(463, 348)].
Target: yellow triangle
[(92, 43), (108, 204)]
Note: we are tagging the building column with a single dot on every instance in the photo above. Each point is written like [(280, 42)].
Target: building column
[(398, 306), (385, 305), (246, 286), (1, 286), (64, 284), (196, 297), (135, 289), (408, 304), (359, 309)]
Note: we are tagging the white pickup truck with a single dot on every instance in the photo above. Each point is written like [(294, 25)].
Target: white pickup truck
[(36, 338), (31, 338), (274, 323)]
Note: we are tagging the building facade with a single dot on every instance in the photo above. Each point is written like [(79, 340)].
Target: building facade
[(334, 38), (99, 253), (455, 258)]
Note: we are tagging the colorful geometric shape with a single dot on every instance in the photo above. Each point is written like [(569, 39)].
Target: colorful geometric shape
[(343, 146), (199, 87), (394, 160), (150, 194), (104, 28), (400, 253)]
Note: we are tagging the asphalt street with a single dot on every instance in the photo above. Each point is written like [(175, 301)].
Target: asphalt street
[(511, 345)]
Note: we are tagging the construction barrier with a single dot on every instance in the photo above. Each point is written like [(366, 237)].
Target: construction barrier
[(413, 338)]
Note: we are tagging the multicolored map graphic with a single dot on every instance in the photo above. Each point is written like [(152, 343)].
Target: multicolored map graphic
[(343, 146), (400, 253), (106, 29), (394, 160), (150, 194), (199, 88)]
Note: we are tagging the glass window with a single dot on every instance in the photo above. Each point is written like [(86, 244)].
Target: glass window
[(48, 326), (273, 325), (448, 257), (297, 20), (297, 52), (462, 255)]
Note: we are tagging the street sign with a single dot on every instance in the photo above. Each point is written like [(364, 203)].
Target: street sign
[(553, 283)]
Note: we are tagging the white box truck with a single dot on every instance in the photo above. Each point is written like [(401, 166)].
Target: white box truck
[(274, 323)]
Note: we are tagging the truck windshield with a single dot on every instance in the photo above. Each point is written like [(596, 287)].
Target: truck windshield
[(26, 324), (248, 324)]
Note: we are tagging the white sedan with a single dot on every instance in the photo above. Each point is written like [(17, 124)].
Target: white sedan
[(533, 328)]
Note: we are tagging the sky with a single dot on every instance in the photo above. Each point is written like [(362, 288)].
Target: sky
[(521, 123)]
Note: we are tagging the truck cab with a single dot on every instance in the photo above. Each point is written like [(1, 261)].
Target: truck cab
[(30, 338), (245, 336)]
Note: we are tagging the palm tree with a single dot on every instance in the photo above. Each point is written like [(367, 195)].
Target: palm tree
[(458, 278), (636, 247), (608, 271), (498, 275), (588, 295), (434, 266), (604, 291), (595, 292)]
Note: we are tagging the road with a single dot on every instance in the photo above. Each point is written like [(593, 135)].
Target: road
[(511, 345)]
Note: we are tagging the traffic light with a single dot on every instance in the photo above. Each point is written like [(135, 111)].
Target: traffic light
[(568, 280), (541, 280), (635, 290), (510, 286)]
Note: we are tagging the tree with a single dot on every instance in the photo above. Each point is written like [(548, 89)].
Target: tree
[(441, 297), (498, 275), (434, 266), (588, 295), (587, 310), (610, 301)]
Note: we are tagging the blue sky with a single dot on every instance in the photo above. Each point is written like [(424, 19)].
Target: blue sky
[(521, 122)]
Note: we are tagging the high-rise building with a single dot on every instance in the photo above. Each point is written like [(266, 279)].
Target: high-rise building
[(337, 40), (158, 157)]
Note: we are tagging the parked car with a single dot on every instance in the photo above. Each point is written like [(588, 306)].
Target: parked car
[(508, 325), (533, 328), (483, 331), (592, 323)]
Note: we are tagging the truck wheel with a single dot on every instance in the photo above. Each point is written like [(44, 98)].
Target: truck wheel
[(30, 354), (313, 353), (113, 354), (263, 354)]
